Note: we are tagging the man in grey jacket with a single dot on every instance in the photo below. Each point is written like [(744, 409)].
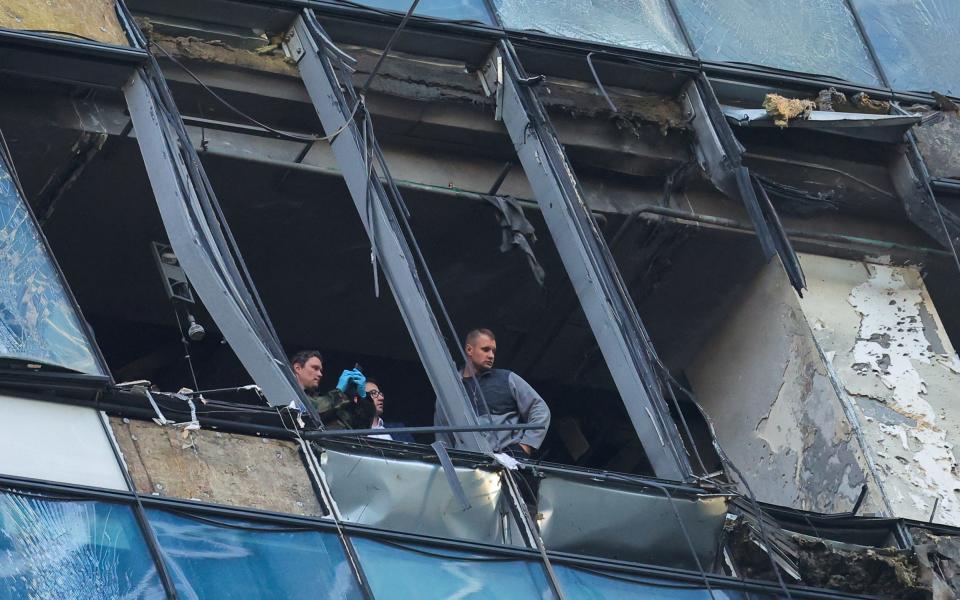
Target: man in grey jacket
[(500, 397)]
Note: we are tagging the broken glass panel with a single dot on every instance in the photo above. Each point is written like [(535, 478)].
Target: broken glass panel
[(38, 322), (227, 558), (640, 24), (400, 571), (915, 42), (819, 37), (450, 10), (53, 548)]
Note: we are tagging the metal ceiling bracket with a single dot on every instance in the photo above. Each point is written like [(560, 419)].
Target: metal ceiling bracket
[(599, 286), (343, 119)]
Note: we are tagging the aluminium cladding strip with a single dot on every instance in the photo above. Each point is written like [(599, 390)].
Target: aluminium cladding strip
[(720, 155), (190, 236), (587, 260), (318, 61)]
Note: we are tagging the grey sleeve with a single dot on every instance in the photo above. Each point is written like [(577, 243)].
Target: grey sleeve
[(532, 408)]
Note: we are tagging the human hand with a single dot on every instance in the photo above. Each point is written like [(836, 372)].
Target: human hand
[(353, 376), (528, 450)]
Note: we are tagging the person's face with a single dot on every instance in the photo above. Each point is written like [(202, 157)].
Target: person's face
[(373, 390), (309, 373), (482, 353)]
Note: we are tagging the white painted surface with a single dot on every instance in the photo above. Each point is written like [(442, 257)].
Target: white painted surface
[(56, 442)]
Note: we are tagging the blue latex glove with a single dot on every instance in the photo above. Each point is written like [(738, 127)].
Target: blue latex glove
[(352, 375)]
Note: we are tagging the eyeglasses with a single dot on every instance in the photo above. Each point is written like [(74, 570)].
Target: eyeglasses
[(375, 394)]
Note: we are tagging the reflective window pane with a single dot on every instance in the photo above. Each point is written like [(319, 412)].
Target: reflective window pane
[(819, 37), (450, 10), (581, 584), (916, 42), (226, 558), (640, 24), (37, 319), (402, 571), (52, 549)]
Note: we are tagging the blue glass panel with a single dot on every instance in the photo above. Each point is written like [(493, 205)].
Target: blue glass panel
[(916, 42), (640, 24), (819, 37), (53, 549), (451, 10), (580, 584), (226, 558), (404, 572), (37, 318)]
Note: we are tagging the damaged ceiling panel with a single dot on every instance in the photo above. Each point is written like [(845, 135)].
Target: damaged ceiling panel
[(216, 467), (642, 25), (415, 496), (584, 517), (57, 442), (914, 41), (95, 20), (890, 356), (817, 36)]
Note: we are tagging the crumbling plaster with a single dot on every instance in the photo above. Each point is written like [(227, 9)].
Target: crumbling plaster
[(761, 380), (881, 332), (211, 466)]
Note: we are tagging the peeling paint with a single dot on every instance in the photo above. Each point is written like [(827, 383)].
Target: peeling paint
[(892, 357)]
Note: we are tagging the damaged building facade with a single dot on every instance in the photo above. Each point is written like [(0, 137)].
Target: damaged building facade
[(720, 238)]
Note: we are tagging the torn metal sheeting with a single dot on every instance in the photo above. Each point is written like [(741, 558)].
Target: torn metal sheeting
[(882, 128), (624, 523), (415, 496)]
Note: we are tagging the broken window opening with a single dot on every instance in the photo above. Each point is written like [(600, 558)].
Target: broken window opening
[(41, 325)]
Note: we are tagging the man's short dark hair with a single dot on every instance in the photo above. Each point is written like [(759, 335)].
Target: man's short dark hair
[(301, 358), (473, 334)]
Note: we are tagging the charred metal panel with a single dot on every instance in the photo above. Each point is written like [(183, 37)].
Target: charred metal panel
[(216, 467), (763, 383), (414, 496), (628, 523), (939, 143), (890, 355)]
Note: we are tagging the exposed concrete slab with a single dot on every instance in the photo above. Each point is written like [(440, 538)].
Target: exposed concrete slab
[(763, 383), (881, 331), (211, 466)]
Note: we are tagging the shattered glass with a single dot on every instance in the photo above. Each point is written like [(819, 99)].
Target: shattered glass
[(37, 318), (216, 557), (400, 571), (451, 10), (916, 42), (819, 37), (641, 24), (53, 549)]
